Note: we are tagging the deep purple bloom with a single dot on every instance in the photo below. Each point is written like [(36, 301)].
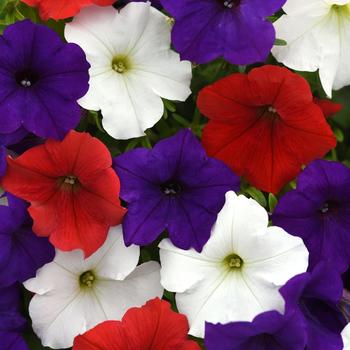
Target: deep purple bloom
[(174, 186), (11, 322), (317, 296), (41, 78), (318, 211), (268, 331), (21, 251), (3, 163), (236, 30)]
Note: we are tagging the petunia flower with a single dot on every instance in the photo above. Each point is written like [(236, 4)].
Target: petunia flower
[(316, 297), (238, 273), (41, 80), (268, 331), (318, 211), (72, 189), (236, 30), (155, 3), (173, 186), (317, 34), (61, 9), (21, 251), (11, 321), (264, 125), (132, 66), (154, 326), (74, 294)]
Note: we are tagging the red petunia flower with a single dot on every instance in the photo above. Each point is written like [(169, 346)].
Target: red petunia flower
[(154, 326), (264, 125), (61, 9), (72, 189)]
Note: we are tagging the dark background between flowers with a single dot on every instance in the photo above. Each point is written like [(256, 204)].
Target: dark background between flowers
[(182, 115)]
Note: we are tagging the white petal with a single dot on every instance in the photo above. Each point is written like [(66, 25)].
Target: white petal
[(133, 109), (222, 298), (114, 260), (314, 8), (237, 221), (313, 42), (183, 269), (116, 297), (346, 337)]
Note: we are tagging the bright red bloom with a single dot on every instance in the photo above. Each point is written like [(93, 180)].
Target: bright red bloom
[(72, 189), (154, 326), (61, 9), (329, 108), (264, 125)]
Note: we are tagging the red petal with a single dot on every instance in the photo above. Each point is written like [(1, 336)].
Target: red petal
[(32, 176), (154, 326), (328, 107), (61, 9), (267, 149)]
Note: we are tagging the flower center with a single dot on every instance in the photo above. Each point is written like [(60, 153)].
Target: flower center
[(325, 208), (233, 262), (329, 207), (171, 188), (231, 3), (120, 64), (87, 279), (26, 78), (341, 9), (70, 180)]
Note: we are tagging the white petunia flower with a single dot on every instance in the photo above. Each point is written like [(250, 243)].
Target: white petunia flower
[(132, 65), (239, 271), (74, 295), (318, 37), (346, 337)]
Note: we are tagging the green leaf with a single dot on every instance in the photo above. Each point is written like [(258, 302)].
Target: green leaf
[(280, 42), (257, 195), (272, 202), (339, 135)]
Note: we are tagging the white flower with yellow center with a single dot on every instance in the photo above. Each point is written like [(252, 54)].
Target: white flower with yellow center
[(73, 295), (132, 66), (239, 271), (317, 33)]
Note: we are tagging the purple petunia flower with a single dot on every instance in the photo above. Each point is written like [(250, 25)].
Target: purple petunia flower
[(237, 30), (21, 251), (319, 212), (41, 78), (11, 322), (268, 331), (174, 186), (317, 295)]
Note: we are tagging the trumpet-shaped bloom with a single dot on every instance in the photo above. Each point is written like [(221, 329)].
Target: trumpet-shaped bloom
[(154, 326), (318, 211), (346, 337), (61, 9), (41, 79), (235, 29), (132, 66), (316, 296), (268, 331), (317, 33), (239, 271), (72, 188), (174, 186), (74, 294), (264, 125), (21, 251)]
